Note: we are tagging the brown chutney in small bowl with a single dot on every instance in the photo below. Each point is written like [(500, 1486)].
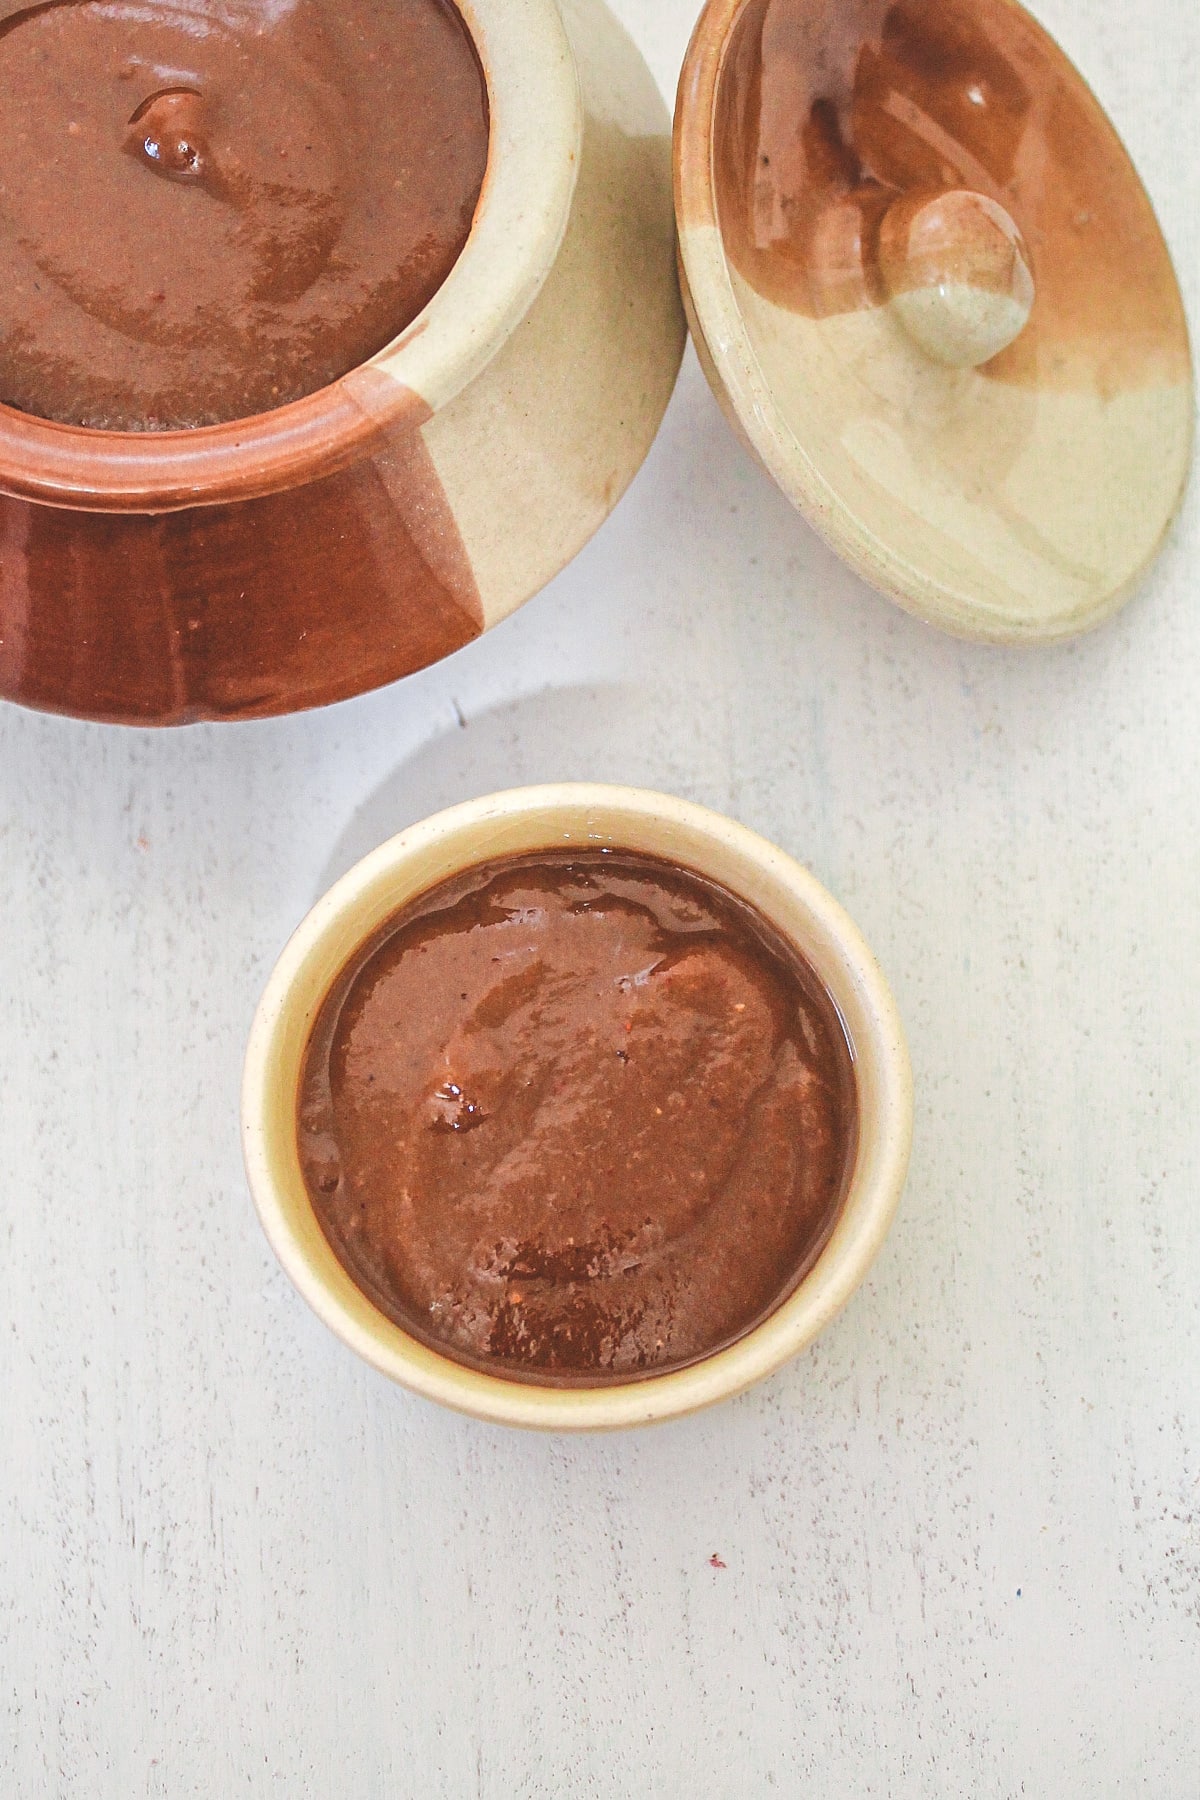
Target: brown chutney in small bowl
[(577, 1116), (577, 1107)]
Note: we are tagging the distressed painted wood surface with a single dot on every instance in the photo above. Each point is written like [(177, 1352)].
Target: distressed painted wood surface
[(954, 1550)]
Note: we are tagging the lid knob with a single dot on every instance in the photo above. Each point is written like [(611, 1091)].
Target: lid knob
[(957, 271)]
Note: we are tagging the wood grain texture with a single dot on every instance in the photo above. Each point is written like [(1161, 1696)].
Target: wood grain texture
[(961, 1537)]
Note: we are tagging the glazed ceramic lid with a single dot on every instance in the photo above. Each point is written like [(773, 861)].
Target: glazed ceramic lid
[(929, 288)]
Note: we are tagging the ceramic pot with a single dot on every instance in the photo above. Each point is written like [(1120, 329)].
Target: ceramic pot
[(311, 553), (509, 824)]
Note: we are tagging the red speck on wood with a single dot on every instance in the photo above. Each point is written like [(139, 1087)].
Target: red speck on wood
[(714, 1562)]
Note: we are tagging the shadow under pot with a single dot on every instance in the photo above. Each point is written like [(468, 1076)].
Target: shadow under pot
[(222, 567)]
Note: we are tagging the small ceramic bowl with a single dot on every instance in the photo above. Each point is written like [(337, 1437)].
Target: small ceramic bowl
[(930, 292), (543, 818), (340, 542)]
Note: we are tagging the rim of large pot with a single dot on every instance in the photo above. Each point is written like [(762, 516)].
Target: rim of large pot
[(536, 131)]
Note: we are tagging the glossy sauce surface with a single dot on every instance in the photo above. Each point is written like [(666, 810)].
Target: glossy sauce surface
[(207, 211), (577, 1118)]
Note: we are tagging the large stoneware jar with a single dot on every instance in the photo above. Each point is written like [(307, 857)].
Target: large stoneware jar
[(310, 553)]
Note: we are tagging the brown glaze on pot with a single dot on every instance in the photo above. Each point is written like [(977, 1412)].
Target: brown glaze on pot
[(828, 112), (577, 1117), (266, 605), (207, 212)]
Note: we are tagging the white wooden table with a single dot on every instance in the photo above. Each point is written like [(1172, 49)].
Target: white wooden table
[(957, 1546)]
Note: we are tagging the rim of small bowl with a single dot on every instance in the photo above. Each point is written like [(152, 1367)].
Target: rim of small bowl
[(555, 817), (535, 102)]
